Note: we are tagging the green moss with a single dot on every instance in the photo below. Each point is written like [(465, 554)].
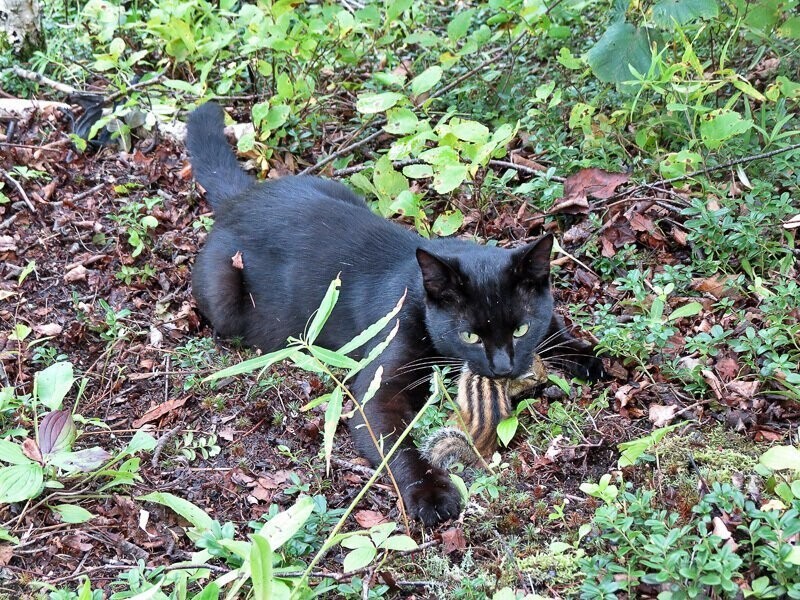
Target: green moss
[(553, 565)]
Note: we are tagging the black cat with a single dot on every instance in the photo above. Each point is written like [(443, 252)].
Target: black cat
[(487, 306)]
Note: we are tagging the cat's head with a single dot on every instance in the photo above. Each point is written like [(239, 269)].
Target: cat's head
[(488, 306)]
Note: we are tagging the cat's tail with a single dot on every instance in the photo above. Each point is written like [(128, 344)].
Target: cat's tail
[(213, 161)]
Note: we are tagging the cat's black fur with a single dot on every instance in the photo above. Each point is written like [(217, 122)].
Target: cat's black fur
[(296, 234)]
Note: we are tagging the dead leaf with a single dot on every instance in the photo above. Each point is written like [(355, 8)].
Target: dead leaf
[(585, 184), (48, 329), (236, 260), (77, 273), (720, 530), (773, 504), (661, 415), (727, 368), (159, 411), (453, 540), (713, 382), (792, 223), (743, 389), (156, 337), (31, 449), (6, 552), (369, 518), (76, 542), (227, 433), (7, 244)]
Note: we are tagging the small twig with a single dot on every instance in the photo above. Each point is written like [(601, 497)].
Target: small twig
[(524, 169), (89, 192), (22, 193), (353, 466), (135, 86), (746, 159), (345, 150), (39, 78), (162, 441)]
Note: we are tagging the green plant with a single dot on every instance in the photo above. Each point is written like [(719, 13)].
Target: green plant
[(134, 225)]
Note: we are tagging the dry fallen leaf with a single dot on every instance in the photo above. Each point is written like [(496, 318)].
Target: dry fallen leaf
[(77, 273), (370, 518), (6, 552), (727, 367), (661, 415), (7, 243), (585, 184), (720, 530), (159, 411), (49, 329), (713, 382), (453, 540), (792, 223), (236, 260)]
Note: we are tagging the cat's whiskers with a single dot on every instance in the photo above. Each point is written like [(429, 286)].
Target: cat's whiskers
[(541, 346)]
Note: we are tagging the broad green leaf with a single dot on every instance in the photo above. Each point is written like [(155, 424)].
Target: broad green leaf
[(284, 525), (375, 103), (51, 385), (276, 116), (621, 45), (141, 440), (566, 59), (632, 450), (71, 513), (678, 164), (505, 594), (261, 558), (418, 171), (441, 155), (397, 8), (210, 592), (448, 179), (21, 482), (400, 121), (448, 222), (399, 542), (687, 310), (458, 27), (471, 131), (253, 364), (426, 80), (720, 125), (359, 541), (460, 486), (149, 222), (324, 310), (379, 533), (6, 536), (407, 203), (332, 414), (791, 28), (191, 512), (82, 460), (12, 453), (779, 458), (240, 548), (666, 13), (359, 558), (507, 428)]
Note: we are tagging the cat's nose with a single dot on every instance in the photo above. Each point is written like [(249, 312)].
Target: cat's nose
[(501, 364)]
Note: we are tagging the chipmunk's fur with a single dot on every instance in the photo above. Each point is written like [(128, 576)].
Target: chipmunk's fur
[(482, 404)]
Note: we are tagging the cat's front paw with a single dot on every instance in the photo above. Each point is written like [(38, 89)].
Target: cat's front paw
[(590, 368), (433, 499)]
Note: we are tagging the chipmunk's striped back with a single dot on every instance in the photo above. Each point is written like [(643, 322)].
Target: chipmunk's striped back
[(482, 404)]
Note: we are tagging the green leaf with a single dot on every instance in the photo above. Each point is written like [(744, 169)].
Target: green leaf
[(51, 385), (448, 222), (191, 512), (460, 486), (471, 131), (82, 460), (376, 103), (791, 28), (448, 179), (280, 528), (418, 171), (333, 359), (666, 13), (141, 440), (426, 80), (361, 541), (779, 458), (359, 558), (252, 364), (621, 45), (373, 330), (399, 542), (400, 121), (324, 311), (458, 27), (261, 558), (507, 428), (149, 222), (332, 413), (21, 482), (276, 116), (71, 513), (6, 536), (566, 59), (687, 310), (12, 453), (210, 592), (632, 450), (720, 125)]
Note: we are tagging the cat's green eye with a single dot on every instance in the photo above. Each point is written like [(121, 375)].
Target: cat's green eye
[(521, 330), (469, 337)]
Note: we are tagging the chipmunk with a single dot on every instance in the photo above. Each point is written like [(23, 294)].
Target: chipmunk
[(482, 404)]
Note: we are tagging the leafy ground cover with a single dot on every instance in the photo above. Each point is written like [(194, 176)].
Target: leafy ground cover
[(658, 141)]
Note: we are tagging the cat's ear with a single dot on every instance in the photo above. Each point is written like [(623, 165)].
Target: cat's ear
[(440, 279), (531, 264)]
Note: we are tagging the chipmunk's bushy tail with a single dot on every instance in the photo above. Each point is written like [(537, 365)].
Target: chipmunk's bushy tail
[(213, 161)]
